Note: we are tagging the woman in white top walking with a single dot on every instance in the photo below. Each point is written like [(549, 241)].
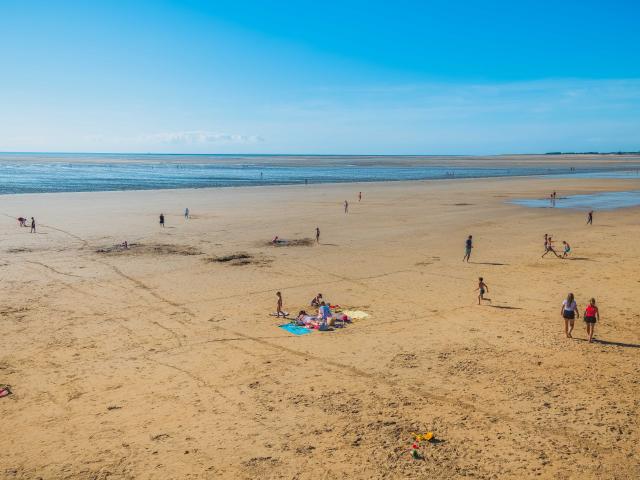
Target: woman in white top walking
[(569, 312)]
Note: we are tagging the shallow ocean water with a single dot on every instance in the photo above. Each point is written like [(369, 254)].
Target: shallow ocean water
[(594, 201), (39, 173)]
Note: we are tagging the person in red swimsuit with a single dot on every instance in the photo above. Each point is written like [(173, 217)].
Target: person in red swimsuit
[(591, 316)]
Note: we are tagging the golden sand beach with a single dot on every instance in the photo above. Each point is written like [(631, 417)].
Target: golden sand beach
[(158, 362)]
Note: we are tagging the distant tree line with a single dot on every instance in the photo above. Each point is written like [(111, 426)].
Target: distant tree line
[(593, 153)]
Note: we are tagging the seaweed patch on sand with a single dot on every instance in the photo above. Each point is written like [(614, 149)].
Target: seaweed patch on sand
[(149, 249), (239, 259), (295, 242)]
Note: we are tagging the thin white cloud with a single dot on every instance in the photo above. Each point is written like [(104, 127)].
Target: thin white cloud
[(198, 137)]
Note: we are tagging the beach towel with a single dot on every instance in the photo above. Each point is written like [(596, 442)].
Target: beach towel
[(355, 314), (294, 329)]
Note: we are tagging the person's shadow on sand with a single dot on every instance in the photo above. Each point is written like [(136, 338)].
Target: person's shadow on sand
[(505, 307), (488, 263), (613, 344)]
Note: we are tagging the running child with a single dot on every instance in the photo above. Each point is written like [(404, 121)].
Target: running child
[(483, 288), (467, 248)]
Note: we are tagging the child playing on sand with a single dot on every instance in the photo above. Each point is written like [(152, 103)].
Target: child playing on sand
[(569, 312), (483, 288), (548, 246), (22, 221), (467, 248), (279, 310), (567, 249), (324, 314), (591, 316)]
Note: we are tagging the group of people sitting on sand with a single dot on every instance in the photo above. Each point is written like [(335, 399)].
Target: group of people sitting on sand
[(548, 247), (325, 317)]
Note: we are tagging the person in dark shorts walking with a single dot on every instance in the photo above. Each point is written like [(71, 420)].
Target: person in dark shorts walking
[(590, 217), (33, 225), (591, 316), (569, 312), (162, 220)]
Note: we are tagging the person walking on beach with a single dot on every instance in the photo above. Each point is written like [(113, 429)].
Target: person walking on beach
[(590, 217), (33, 225), (186, 213), (467, 248), (591, 316), (162, 220), (569, 312), (279, 305), (346, 207), (567, 249), (317, 234), (359, 196), (483, 288)]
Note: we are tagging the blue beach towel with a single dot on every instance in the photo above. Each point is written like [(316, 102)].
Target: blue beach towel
[(295, 329)]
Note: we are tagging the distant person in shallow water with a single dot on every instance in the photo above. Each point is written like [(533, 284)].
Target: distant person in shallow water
[(162, 220), (591, 316), (590, 217), (569, 312), (467, 248)]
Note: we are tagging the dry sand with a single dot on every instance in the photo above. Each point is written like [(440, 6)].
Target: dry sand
[(159, 363)]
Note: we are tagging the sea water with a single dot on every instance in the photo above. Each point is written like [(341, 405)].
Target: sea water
[(38, 172), (592, 201)]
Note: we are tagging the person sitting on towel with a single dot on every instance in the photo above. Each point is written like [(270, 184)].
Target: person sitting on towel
[(317, 300)]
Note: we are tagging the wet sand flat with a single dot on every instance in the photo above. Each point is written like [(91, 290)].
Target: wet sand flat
[(161, 361)]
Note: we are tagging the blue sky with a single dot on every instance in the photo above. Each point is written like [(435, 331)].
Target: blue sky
[(403, 77)]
